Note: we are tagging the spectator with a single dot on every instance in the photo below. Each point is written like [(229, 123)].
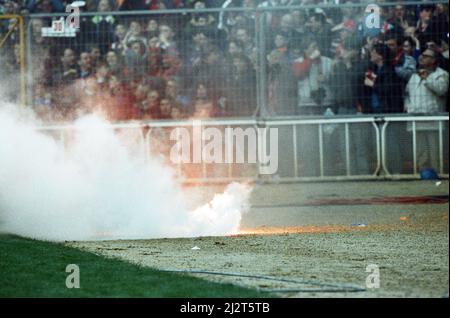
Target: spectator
[(171, 65), (85, 65), (349, 18), (161, 53), (149, 109), (176, 113), (165, 107), (152, 29), (346, 79), (345, 29), (425, 27), (155, 56), (212, 70), (405, 65), (134, 34), (119, 44), (287, 27), (402, 18), (132, 5), (136, 58), (9, 7), (347, 86), (382, 93), (243, 36), (102, 76), (96, 55), (201, 20), (172, 91), (321, 32), (439, 48), (299, 21), (68, 70), (282, 83), (114, 63), (427, 93), (167, 38), (272, 17), (300, 62), (102, 27), (89, 97), (120, 105), (440, 23), (140, 91), (43, 103), (444, 50), (427, 89), (197, 51), (410, 45), (204, 106), (382, 87), (45, 6), (235, 47), (241, 87), (314, 93)]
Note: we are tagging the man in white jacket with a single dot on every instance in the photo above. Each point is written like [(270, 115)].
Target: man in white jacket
[(426, 93)]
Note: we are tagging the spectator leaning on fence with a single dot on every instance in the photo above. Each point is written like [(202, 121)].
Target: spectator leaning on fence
[(427, 93)]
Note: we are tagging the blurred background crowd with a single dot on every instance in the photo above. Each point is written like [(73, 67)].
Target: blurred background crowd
[(300, 59)]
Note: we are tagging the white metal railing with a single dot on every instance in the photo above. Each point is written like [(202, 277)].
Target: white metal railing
[(414, 120), (379, 140)]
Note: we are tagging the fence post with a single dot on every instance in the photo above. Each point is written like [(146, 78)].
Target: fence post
[(261, 74), (29, 62)]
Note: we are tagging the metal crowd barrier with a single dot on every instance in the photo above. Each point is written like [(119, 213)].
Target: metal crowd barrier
[(300, 157), (438, 131)]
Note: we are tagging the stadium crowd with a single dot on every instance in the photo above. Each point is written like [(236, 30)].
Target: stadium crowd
[(206, 64)]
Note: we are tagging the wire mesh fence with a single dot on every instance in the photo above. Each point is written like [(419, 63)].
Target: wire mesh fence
[(12, 58), (246, 59)]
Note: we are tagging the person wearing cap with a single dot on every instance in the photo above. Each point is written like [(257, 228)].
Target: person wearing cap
[(426, 93)]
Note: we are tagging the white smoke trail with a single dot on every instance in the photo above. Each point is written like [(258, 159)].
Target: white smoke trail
[(98, 188)]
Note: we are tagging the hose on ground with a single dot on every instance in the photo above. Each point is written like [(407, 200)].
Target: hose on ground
[(324, 287)]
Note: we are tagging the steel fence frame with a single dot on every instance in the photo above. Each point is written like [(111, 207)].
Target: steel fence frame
[(379, 124), (387, 120)]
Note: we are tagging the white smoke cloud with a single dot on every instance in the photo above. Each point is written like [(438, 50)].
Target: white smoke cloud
[(99, 187)]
